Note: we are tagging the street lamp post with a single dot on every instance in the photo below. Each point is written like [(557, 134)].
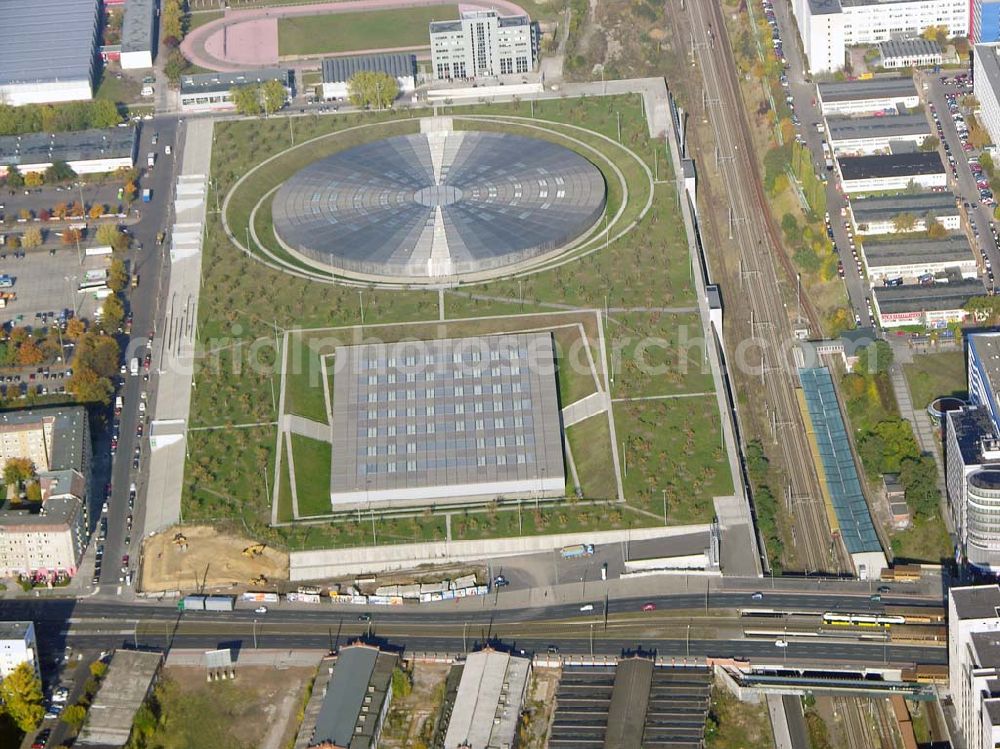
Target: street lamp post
[(254, 634)]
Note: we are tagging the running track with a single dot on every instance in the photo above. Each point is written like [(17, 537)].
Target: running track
[(253, 32)]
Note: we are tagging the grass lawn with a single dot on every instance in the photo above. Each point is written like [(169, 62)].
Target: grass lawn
[(659, 354), (312, 474), (304, 381), (673, 445), (119, 90), (926, 540), (933, 375), (737, 725), (200, 18), (590, 442), (346, 32)]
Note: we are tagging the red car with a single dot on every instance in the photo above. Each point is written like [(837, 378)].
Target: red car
[(649, 607)]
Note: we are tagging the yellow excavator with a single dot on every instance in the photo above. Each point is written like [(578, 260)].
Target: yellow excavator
[(254, 550)]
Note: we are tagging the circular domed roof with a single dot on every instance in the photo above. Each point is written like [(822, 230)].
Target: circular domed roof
[(436, 205)]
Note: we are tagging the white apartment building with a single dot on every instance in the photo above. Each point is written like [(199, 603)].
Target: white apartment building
[(974, 663), (869, 135), (986, 86), (883, 94), (828, 27), (821, 27), (482, 44), (17, 646)]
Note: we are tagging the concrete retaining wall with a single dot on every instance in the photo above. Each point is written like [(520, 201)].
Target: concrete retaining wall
[(327, 563)]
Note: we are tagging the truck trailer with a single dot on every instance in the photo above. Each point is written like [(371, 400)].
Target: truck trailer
[(577, 550)]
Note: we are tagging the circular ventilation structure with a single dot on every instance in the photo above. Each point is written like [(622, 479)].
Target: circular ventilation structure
[(434, 206)]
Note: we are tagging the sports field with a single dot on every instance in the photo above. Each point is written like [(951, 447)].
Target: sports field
[(348, 32)]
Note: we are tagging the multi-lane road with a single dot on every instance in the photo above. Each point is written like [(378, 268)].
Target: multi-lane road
[(764, 318), (148, 260), (681, 625)]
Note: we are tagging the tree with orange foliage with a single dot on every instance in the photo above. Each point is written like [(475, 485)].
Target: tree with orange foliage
[(75, 328), (29, 355), (71, 236)]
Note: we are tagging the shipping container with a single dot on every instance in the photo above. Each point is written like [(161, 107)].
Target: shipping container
[(253, 596), (191, 603), (219, 603)]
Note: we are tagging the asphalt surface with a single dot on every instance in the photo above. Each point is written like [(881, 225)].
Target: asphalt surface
[(149, 263)]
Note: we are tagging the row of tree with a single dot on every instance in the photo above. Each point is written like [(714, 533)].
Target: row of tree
[(259, 98), (58, 118), (56, 173)]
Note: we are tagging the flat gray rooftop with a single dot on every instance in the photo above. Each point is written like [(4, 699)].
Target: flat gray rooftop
[(215, 82), (487, 707), (418, 207), (881, 208), (874, 88), (987, 648), (82, 145), (988, 60), (845, 128), (138, 26), (426, 418), (129, 678), (908, 48), (912, 164), (954, 248), (824, 7), (976, 602), (14, 630), (47, 41), (70, 430), (936, 297), (341, 69)]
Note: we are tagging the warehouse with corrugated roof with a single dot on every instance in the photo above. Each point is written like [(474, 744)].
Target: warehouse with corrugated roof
[(48, 51)]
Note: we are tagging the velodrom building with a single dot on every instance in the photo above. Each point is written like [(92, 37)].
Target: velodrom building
[(424, 422)]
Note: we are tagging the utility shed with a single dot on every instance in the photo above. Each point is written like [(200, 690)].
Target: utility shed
[(488, 705), (357, 699), (131, 675)]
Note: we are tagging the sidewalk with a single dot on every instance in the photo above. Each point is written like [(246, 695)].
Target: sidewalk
[(176, 341)]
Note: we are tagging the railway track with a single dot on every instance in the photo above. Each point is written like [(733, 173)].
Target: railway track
[(769, 325)]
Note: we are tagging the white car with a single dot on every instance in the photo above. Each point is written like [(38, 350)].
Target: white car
[(780, 644), (587, 607), (260, 610), (166, 150)]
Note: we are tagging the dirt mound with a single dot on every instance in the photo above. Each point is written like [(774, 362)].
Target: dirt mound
[(207, 559)]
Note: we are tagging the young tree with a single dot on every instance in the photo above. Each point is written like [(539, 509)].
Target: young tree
[(14, 177), (76, 209), (34, 179), (21, 695), (74, 715), (88, 387), (246, 99), (931, 143), (71, 236), (29, 355), (369, 89), (936, 230), (274, 95), (32, 237), (97, 352), (106, 234), (112, 313), (18, 470), (75, 327), (117, 276), (25, 214), (59, 171), (175, 65), (59, 210), (904, 222), (97, 210), (98, 669)]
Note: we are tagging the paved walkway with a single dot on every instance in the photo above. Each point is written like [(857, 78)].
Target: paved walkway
[(207, 47), (306, 427), (177, 354), (592, 405)]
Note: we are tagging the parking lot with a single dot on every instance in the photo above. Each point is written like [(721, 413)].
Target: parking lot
[(48, 282), (38, 199)]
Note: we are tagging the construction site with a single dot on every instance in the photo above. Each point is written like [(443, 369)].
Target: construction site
[(203, 558)]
